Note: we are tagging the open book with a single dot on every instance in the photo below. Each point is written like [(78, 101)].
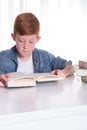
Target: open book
[(18, 79)]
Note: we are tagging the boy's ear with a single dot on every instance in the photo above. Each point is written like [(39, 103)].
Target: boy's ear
[(38, 38), (13, 36)]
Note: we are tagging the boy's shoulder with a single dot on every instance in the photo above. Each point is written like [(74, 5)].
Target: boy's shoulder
[(4, 52), (8, 52), (40, 51)]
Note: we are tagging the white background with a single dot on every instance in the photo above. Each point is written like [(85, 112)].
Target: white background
[(63, 25)]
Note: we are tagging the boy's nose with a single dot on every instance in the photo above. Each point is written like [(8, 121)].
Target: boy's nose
[(26, 45)]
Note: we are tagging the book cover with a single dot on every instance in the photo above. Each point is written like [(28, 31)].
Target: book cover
[(82, 64)]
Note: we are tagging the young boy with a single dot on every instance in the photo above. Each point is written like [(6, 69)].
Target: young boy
[(24, 57)]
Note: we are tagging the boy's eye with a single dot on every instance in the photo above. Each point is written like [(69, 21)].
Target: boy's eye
[(31, 42), (21, 41)]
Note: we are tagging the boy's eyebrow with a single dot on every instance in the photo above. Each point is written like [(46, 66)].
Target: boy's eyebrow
[(32, 39)]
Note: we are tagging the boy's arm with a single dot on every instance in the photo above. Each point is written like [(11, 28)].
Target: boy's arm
[(67, 71)]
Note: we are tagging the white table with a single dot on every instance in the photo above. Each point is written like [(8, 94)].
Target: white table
[(55, 106)]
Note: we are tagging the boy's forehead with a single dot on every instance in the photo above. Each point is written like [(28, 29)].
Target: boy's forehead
[(34, 36)]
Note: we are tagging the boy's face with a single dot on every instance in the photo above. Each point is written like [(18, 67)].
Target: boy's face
[(25, 45)]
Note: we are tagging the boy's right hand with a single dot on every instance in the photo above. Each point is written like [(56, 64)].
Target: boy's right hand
[(3, 79)]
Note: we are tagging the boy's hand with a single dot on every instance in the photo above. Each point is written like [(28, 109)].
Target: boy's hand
[(3, 79), (59, 73)]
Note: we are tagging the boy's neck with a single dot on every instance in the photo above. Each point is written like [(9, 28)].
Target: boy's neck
[(24, 58)]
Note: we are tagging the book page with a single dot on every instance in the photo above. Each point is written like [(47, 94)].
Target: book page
[(81, 72), (21, 75), (48, 77), (36, 76), (17, 75)]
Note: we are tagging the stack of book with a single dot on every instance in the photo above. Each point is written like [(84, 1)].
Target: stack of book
[(83, 70), (83, 64)]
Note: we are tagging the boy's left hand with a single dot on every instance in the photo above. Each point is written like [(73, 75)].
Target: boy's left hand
[(59, 73)]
